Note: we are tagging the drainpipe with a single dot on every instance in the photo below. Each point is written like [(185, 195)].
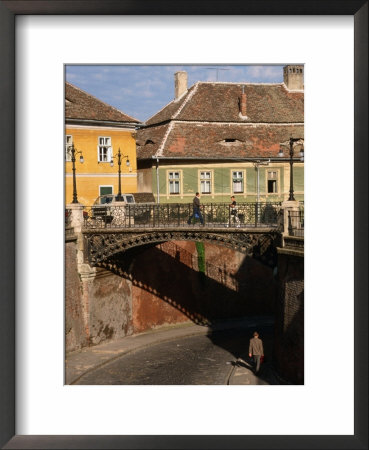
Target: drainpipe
[(257, 164), (157, 181)]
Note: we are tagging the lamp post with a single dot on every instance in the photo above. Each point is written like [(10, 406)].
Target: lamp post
[(119, 156), (281, 154), (74, 152)]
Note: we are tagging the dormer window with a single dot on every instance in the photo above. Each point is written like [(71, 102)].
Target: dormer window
[(230, 141), (149, 141)]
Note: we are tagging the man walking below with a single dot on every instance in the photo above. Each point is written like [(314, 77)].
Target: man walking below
[(196, 210), (256, 350)]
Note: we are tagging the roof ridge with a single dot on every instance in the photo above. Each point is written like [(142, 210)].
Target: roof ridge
[(254, 124), (242, 83), (190, 95), (159, 151), (101, 101)]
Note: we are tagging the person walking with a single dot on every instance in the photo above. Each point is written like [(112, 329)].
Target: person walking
[(196, 210), (234, 214), (256, 350)]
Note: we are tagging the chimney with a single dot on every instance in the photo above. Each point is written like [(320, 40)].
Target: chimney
[(243, 102), (180, 84), (293, 77)]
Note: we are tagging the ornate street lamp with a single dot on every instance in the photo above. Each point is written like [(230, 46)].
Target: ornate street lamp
[(74, 152), (281, 154), (119, 197)]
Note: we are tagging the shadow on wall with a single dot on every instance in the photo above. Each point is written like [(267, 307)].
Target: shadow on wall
[(158, 276), (289, 344), (289, 331)]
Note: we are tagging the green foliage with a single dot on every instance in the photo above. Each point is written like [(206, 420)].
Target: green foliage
[(200, 247)]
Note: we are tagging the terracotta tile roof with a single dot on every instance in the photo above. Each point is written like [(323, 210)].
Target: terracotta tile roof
[(81, 105), (216, 141), (149, 140), (206, 122), (219, 102)]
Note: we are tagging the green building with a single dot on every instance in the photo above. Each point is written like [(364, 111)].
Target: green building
[(223, 139)]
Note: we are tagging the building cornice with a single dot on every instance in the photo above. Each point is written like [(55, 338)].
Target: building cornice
[(101, 123)]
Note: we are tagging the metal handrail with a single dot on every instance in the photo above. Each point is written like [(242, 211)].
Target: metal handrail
[(168, 215), (296, 223)]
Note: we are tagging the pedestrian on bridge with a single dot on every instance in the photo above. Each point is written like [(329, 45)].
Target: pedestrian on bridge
[(256, 350), (234, 213), (196, 210)]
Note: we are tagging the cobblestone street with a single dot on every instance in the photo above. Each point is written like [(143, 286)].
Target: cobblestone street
[(218, 358)]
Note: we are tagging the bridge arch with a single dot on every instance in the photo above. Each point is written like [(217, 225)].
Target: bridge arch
[(103, 244)]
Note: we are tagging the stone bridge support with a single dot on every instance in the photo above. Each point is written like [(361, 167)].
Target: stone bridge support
[(98, 303), (288, 206)]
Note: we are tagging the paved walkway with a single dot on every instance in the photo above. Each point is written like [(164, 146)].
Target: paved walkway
[(80, 362)]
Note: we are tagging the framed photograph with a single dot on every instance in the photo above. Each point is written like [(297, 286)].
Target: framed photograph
[(39, 408)]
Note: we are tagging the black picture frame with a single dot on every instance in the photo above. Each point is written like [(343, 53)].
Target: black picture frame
[(8, 10)]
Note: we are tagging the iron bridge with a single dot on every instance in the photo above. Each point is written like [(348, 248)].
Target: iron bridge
[(253, 230)]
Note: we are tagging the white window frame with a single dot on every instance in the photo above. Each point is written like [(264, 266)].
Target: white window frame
[(267, 171), (68, 154), (172, 181), (206, 181), (243, 176), (106, 145)]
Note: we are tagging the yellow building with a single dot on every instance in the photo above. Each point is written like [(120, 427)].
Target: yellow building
[(97, 131)]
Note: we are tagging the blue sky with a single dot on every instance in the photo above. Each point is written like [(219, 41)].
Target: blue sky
[(140, 91)]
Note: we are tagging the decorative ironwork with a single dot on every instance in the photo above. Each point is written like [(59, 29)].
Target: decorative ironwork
[(102, 244), (119, 157), (74, 152), (177, 215), (296, 223)]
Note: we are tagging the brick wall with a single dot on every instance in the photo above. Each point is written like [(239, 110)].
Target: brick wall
[(289, 339), (170, 286)]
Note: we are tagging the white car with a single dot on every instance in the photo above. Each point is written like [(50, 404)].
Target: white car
[(107, 207)]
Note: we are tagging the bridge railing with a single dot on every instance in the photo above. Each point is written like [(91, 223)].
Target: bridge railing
[(166, 215)]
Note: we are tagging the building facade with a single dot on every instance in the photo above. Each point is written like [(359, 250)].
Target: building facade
[(98, 131), (223, 139)]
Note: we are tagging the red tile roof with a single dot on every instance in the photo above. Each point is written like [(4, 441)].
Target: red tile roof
[(81, 105), (215, 140), (206, 122), (219, 102)]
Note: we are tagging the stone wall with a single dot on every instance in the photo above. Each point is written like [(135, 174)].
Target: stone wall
[(110, 304), (289, 338), (75, 332), (98, 303)]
